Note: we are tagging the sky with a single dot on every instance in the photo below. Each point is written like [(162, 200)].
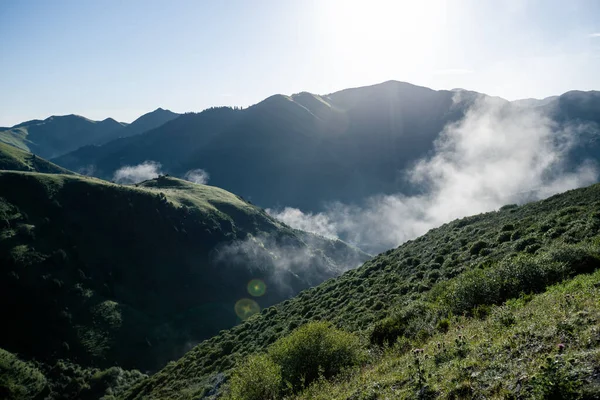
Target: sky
[(120, 59)]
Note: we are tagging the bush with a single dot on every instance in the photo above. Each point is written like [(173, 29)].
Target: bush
[(257, 378), (477, 247), (503, 237), (513, 276), (417, 317), (315, 349)]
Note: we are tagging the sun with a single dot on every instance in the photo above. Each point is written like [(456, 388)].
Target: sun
[(384, 35)]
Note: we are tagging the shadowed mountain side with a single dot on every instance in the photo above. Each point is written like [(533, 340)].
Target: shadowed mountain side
[(132, 276), (58, 135), (297, 151)]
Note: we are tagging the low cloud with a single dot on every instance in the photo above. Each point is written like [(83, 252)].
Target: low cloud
[(319, 223), (130, 174), (199, 176), (597, 34), (288, 264), (87, 170), (497, 154)]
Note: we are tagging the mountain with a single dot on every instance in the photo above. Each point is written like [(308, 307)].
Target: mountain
[(13, 158), (58, 135), (475, 293), (307, 150), (298, 151), (535, 102), (106, 275), (144, 123)]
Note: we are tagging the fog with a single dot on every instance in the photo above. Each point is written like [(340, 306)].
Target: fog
[(497, 154), (199, 176), (130, 174)]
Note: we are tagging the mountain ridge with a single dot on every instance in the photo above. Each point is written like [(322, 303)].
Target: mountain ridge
[(60, 134), (318, 149)]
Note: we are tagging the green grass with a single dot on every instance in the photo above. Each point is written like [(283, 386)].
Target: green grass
[(15, 137), (512, 353), (204, 197), (416, 279), (13, 158)]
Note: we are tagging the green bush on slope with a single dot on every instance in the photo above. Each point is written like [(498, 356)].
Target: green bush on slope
[(471, 291), (312, 351), (257, 378)]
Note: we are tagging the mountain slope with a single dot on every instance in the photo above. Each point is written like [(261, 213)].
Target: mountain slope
[(13, 158), (146, 122), (103, 275), (535, 347), (58, 135), (307, 150), (397, 293)]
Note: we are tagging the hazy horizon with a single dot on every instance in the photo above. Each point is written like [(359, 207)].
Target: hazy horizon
[(121, 60)]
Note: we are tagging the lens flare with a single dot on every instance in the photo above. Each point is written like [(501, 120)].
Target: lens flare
[(245, 308), (256, 287)]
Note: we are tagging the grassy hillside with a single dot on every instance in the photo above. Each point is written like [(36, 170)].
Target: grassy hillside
[(446, 279), (102, 274), (535, 347), (12, 158)]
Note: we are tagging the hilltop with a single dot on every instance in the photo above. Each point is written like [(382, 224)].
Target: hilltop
[(449, 280)]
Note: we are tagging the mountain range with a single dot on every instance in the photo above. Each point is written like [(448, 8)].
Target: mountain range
[(307, 150), (58, 135)]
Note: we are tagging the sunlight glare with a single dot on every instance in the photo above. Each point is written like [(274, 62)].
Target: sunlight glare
[(401, 36)]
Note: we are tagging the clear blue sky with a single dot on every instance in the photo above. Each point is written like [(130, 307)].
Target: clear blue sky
[(122, 58)]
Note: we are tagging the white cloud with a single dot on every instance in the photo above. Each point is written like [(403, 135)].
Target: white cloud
[(137, 173), (497, 154), (309, 222), (597, 34), (199, 176)]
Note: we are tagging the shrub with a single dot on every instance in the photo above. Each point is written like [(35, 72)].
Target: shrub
[(417, 317), (257, 378), (503, 237), (477, 247), (315, 349), (513, 276)]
